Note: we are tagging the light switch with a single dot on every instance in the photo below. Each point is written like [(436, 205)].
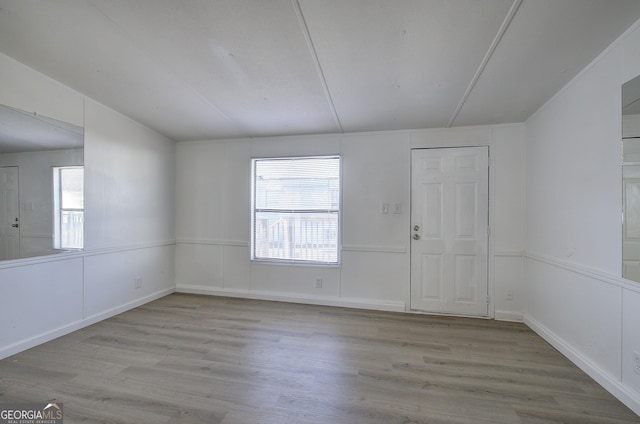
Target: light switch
[(384, 208), (397, 208)]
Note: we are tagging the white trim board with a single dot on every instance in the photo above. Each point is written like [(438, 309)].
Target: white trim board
[(585, 271), (358, 303), (64, 256), (378, 305)]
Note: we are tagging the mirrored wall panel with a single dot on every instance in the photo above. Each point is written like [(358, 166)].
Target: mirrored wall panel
[(41, 185), (631, 180)]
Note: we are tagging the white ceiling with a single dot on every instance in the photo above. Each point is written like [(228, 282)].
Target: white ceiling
[(206, 69)]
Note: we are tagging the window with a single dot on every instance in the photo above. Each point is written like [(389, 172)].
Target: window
[(296, 209), (68, 206)]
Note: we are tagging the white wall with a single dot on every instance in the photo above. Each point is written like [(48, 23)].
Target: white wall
[(213, 202), (575, 296), (36, 195), (129, 200)]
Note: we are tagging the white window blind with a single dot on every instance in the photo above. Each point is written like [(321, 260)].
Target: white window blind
[(296, 209)]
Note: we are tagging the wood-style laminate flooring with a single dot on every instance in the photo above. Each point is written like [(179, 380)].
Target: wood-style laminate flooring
[(204, 359)]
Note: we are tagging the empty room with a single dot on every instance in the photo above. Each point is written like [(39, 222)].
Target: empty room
[(319, 211)]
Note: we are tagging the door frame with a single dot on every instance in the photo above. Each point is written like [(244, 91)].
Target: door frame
[(18, 208), (490, 206)]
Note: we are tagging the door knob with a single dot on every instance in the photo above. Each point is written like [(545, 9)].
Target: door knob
[(15, 225), (416, 236)]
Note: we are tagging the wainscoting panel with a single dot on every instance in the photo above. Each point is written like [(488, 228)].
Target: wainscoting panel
[(117, 278), (37, 300), (580, 312)]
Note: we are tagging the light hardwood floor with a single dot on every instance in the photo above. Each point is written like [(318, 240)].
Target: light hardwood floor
[(203, 359)]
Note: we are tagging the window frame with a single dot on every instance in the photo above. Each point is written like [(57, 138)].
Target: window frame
[(254, 211), (58, 210)]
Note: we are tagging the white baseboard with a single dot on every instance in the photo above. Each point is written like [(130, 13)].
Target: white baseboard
[(379, 305), (513, 316), (625, 394), (25, 344)]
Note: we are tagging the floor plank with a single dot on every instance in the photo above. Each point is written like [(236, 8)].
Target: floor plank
[(205, 359)]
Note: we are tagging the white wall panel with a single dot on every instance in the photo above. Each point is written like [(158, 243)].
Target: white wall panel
[(235, 268), (199, 264), (566, 301), (375, 172), (575, 296), (297, 279), (507, 200), (38, 299), (311, 145), (508, 290), (451, 137), (375, 275), (574, 173), (129, 181), (213, 190), (199, 187), (236, 200), (110, 278)]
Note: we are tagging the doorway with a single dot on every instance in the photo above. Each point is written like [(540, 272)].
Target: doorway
[(449, 230), (9, 213)]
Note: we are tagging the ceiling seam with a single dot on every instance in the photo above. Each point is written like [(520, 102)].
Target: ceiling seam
[(485, 60), (314, 54)]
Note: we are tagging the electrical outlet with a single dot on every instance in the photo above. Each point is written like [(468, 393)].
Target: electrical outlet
[(509, 295), (636, 362), (318, 282), (137, 283)]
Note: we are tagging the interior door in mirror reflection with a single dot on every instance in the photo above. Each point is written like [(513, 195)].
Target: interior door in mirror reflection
[(631, 179), (9, 213), (631, 224)]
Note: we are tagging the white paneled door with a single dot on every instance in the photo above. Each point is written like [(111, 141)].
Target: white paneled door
[(449, 230), (9, 225)]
